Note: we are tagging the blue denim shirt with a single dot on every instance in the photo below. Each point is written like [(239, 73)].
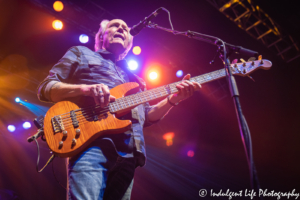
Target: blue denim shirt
[(81, 65)]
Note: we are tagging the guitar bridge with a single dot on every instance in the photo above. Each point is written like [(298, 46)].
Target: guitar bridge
[(57, 124)]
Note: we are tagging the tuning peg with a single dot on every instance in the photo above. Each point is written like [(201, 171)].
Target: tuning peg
[(243, 61), (234, 61), (260, 58), (251, 59)]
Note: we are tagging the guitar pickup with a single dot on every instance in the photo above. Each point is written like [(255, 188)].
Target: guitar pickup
[(74, 119), (95, 116)]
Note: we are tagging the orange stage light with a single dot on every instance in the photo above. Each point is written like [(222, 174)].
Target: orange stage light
[(169, 138), (136, 50), (57, 25), (58, 6), (153, 75)]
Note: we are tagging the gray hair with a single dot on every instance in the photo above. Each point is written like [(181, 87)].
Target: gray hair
[(99, 39)]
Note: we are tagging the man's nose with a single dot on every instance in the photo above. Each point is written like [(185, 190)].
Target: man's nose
[(120, 29)]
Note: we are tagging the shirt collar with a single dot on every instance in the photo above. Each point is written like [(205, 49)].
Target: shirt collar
[(107, 55)]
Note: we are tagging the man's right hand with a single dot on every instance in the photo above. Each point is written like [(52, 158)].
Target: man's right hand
[(99, 92)]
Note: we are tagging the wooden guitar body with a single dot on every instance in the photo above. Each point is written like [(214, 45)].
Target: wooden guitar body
[(70, 140)]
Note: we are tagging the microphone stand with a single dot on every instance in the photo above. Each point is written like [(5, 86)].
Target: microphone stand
[(222, 49)]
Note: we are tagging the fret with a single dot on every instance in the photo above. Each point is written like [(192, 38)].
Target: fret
[(135, 99), (145, 96), (160, 92), (173, 89), (167, 89), (208, 77), (150, 94), (125, 103), (122, 103), (132, 103), (153, 95), (128, 101), (110, 108), (118, 106), (140, 99), (115, 107)]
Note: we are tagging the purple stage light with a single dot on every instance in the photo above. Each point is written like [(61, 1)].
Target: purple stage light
[(133, 65), (11, 128), (179, 73), (83, 38), (26, 125), (190, 153)]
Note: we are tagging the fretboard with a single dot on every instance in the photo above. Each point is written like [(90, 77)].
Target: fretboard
[(160, 92)]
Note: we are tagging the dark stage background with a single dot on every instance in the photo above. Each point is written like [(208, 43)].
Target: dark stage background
[(205, 123)]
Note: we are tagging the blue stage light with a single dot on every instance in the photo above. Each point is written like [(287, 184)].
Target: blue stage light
[(11, 128), (83, 38), (133, 65), (179, 73), (26, 125), (17, 99)]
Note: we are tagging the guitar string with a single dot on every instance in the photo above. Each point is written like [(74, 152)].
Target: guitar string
[(68, 121), (67, 115), (199, 79), (82, 119), (148, 93), (83, 116), (156, 90)]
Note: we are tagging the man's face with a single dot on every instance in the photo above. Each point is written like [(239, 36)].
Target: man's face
[(116, 37)]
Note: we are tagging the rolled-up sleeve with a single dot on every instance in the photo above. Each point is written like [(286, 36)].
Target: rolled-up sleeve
[(61, 72)]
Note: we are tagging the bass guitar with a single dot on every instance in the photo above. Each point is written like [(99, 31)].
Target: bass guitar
[(69, 129)]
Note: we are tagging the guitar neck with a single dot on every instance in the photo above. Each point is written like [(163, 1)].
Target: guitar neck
[(160, 92)]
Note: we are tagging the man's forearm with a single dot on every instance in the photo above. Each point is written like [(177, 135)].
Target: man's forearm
[(161, 109), (61, 91)]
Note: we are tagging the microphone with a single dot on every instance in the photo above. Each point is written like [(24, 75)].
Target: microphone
[(138, 27)]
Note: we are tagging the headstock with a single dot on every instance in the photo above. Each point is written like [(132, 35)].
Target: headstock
[(246, 68)]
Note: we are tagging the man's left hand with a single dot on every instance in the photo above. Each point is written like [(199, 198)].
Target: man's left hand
[(186, 89)]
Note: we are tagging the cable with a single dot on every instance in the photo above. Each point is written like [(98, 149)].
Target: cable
[(50, 159), (57, 178), (38, 159), (169, 14)]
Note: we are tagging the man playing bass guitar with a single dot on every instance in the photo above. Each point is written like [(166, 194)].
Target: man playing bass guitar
[(105, 169)]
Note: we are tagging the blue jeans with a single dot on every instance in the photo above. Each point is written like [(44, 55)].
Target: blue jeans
[(100, 173)]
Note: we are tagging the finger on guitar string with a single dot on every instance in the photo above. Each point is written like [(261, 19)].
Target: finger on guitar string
[(96, 94), (190, 89), (106, 94), (84, 115)]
